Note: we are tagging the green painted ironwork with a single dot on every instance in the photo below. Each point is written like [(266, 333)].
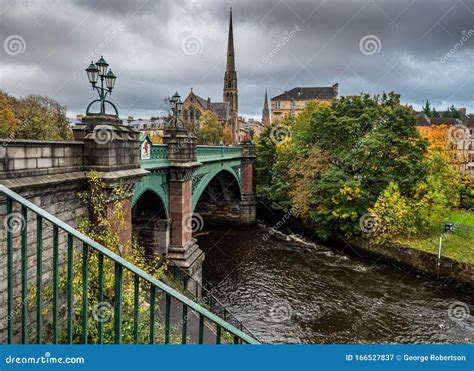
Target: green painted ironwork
[(70, 283), (39, 275), (9, 226), (55, 284), (90, 246), (24, 275), (214, 159)]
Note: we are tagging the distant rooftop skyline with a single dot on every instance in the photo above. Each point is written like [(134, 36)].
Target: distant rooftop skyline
[(422, 50)]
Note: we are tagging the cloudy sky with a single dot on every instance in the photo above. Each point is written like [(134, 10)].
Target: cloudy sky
[(423, 49)]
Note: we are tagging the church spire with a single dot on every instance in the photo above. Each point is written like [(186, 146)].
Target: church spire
[(230, 46), (266, 112), (230, 84)]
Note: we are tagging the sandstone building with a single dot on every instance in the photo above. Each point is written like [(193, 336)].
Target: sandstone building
[(293, 101)]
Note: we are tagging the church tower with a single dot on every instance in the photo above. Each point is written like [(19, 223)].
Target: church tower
[(230, 84), (265, 112)]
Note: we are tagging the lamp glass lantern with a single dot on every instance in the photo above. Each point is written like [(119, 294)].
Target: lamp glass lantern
[(102, 65), (92, 73), (110, 80)]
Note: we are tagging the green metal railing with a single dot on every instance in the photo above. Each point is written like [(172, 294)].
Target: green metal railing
[(159, 155), (217, 152), (88, 246)]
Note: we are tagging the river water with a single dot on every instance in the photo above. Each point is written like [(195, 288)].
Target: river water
[(286, 289)]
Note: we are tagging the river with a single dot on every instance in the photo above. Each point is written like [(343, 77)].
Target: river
[(286, 289)]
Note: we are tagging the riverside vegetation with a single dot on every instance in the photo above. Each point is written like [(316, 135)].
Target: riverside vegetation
[(359, 166)]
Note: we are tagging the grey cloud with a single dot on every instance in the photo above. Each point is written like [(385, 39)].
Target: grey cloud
[(142, 40)]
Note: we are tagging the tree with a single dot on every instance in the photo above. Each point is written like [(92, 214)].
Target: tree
[(427, 108), (366, 143), (452, 112), (7, 117), (211, 131), (227, 136), (33, 117), (42, 118)]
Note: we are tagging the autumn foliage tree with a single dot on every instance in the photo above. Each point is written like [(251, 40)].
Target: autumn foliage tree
[(355, 155), (211, 131), (33, 117)]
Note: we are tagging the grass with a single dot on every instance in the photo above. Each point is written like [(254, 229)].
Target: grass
[(455, 247), (462, 217)]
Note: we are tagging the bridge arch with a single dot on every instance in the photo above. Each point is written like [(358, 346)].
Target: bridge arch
[(150, 222), (223, 175), (156, 184)]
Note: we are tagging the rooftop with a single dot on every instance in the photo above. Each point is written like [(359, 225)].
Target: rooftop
[(305, 93)]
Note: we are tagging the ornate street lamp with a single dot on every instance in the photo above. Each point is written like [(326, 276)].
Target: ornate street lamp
[(176, 107), (94, 71)]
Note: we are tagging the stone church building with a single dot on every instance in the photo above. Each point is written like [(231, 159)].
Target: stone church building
[(228, 110)]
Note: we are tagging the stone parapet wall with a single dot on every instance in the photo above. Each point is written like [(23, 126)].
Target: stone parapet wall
[(21, 158)]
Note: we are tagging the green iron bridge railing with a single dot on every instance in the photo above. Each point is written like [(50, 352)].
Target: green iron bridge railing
[(159, 154), (222, 330)]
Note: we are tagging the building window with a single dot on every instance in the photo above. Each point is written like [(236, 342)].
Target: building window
[(277, 104)]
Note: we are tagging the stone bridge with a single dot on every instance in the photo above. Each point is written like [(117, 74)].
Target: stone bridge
[(171, 188)]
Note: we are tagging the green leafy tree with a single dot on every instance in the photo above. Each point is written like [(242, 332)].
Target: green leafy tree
[(366, 142), (211, 131), (427, 108)]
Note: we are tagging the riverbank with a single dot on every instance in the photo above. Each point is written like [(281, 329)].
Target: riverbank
[(420, 254), (447, 269)]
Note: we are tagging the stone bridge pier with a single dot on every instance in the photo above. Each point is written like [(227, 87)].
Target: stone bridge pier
[(189, 186)]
